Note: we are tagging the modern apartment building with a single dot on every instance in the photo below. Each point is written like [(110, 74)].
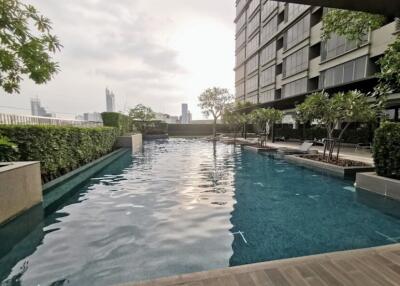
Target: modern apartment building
[(281, 58)]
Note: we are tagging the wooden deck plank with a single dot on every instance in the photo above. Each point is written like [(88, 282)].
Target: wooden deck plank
[(378, 266), (277, 277), (294, 277), (260, 278)]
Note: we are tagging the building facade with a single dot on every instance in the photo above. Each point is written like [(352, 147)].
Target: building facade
[(281, 57), (38, 110), (110, 100), (186, 116)]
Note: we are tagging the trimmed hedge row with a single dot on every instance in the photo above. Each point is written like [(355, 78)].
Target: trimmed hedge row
[(59, 149), (122, 122), (352, 136), (387, 150)]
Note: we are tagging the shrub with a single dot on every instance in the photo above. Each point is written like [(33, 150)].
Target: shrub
[(59, 149), (122, 122), (8, 150), (387, 150)]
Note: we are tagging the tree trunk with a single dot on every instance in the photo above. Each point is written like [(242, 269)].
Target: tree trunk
[(215, 128)]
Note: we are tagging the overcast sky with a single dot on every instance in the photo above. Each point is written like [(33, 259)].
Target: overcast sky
[(157, 52)]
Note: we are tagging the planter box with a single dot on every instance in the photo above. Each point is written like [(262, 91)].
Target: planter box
[(20, 189), (338, 171), (380, 185), (133, 141)]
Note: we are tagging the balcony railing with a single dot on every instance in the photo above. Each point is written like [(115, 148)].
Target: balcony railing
[(10, 119)]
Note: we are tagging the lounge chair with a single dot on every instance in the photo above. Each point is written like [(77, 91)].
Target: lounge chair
[(303, 149)]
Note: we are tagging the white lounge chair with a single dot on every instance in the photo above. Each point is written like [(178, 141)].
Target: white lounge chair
[(303, 149)]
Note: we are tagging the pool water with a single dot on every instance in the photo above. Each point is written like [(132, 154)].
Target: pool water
[(185, 205)]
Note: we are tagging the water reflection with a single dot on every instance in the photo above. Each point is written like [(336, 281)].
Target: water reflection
[(163, 212)]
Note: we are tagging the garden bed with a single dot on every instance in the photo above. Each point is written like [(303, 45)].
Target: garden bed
[(345, 172), (341, 162)]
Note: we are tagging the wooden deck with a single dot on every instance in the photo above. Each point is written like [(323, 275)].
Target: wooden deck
[(378, 266)]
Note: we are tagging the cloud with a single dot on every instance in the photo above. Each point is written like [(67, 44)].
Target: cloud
[(157, 52)]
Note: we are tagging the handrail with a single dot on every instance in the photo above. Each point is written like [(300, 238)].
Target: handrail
[(11, 119)]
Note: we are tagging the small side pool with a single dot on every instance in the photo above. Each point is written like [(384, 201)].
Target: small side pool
[(189, 205)]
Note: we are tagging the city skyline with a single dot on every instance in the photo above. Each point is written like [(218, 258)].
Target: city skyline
[(151, 53)]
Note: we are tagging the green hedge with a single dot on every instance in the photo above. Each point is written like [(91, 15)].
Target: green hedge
[(59, 149), (117, 120), (8, 150), (387, 150)]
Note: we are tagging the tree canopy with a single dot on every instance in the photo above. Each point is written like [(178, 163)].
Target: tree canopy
[(329, 112), (263, 118), (26, 46), (353, 25), (142, 113), (213, 101), (142, 117), (389, 74)]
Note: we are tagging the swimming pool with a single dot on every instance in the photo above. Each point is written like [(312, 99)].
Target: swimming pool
[(188, 205)]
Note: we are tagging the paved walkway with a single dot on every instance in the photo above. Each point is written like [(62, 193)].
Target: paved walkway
[(374, 266), (364, 156)]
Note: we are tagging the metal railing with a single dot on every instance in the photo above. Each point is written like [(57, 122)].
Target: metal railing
[(10, 119)]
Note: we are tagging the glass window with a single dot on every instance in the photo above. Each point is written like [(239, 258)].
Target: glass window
[(241, 22), (295, 87), (296, 62), (252, 7), (253, 24), (336, 46), (239, 6), (239, 73), (267, 96), (344, 73), (253, 44), (241, 39), (252, 84), (268, 53), (252, 64), (360, 68), (269, 29), (240, 90), (240, 56), (268, 8), (267, 76), (293, 10), (297, 33), (252, 99)]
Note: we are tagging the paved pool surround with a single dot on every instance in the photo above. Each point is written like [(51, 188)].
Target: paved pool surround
[(20, 189)]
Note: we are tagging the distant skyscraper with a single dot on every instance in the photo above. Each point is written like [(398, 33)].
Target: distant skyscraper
[(185, 117), (37, 109), (110, 99)]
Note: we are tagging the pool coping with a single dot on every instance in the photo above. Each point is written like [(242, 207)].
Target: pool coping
[(380, 185), (206, 276)]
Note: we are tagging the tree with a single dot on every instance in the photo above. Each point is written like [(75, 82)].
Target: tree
[(353, 25), (234, 118), (389, 74), (330, 112), (213, 101), (23, 51), (264, 119), (142, 117)]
